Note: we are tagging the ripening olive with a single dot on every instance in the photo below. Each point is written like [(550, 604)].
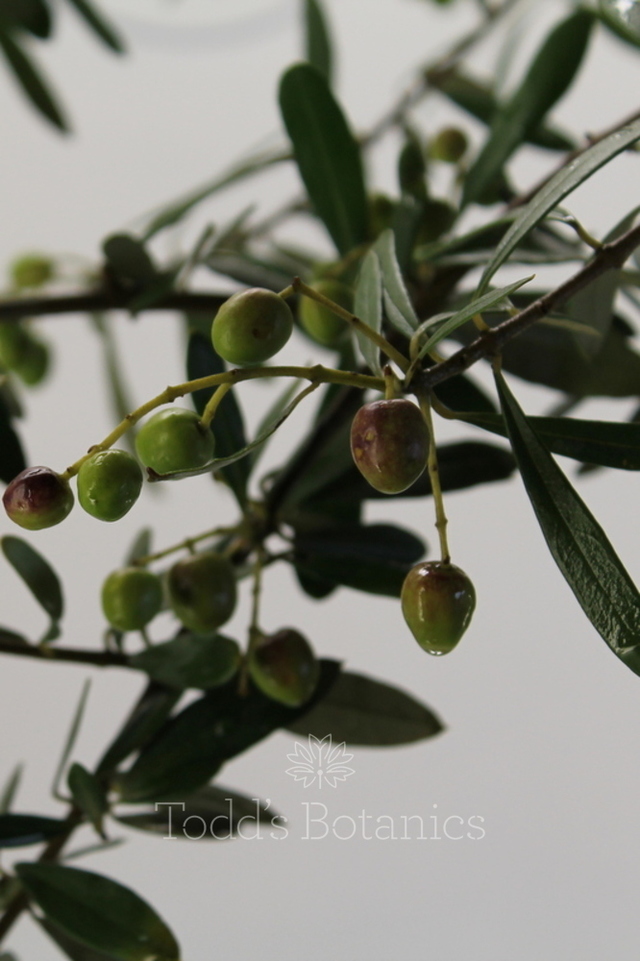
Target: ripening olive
[(109, 484), (131, 597), (320, 323), (251, 327), (202, 591), (437, 600), (174, 439), (284, 667), (37, 498), (390, 444)]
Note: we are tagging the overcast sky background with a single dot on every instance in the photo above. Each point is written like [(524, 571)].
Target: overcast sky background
[(542, 720)]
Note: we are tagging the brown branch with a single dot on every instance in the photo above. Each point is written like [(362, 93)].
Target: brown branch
[(610, 257), (66, 655), (100, 300)]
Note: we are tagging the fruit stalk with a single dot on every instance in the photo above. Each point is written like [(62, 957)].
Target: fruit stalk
[(434, 477)]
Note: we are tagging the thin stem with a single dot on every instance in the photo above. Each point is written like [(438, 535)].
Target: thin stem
[(101, 299), (434, 478), (185, 544), (316, 374), (355, 322), (254, 627), (213, 403), (66, 655)]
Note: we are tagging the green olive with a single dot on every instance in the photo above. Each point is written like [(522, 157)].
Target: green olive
[(131, 598), (251, 327), (284, 667), (37, 498), (202, 591), (320, 323), (31, 270), (390, 444), (438, 600), (174, 440), (109, 484)]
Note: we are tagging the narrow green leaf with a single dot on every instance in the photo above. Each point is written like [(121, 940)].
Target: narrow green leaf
[(12, 639), (194, 744), (31, 81), (19, 830), (12, 459), (228, 424), (71, 737), (556, 189), (216, 813), (190, 661), (174, 212), (129, 261), (397, 302), (99, 912), (37, 573), (88, 794), (374, 558), (621, 19), (606, 443), (477, 305), (9, 791), (367, 306), (547, 80), (327, 155), (361, 710), (72, 949), (479, 101), (101, 27), (140, 546), (272, 417), (149, 714), (317, 39), (31, 15), (248, 269), (577, 543)]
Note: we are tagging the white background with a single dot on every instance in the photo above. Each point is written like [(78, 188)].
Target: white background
[(542, 720)]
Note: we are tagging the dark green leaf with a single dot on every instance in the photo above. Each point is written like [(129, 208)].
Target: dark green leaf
[(547, 80), (360, 710), (129, 261), (73, 949), (367, 306), (99, 912), (606, 443), (37, 573), (461, 465), (249, 270), (30, 15), (327, 155), (12, 639), (8, 793), (619, 18), (479, 101), (556, 189), (31, 81), (317, 39), (228, 425), (101, 27), (18, 830), (194, 744), (12, 460), (174, 212), (88, 794), (373, 558), (140, 547), (146, 719), (577, 543), (190, 661), (462, 393), (71, 737), (399, 308), (217, 814)]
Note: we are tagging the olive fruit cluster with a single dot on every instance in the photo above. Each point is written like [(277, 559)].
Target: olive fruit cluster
[(284, 667), (251, 326), (438, 600), (390, 444)]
